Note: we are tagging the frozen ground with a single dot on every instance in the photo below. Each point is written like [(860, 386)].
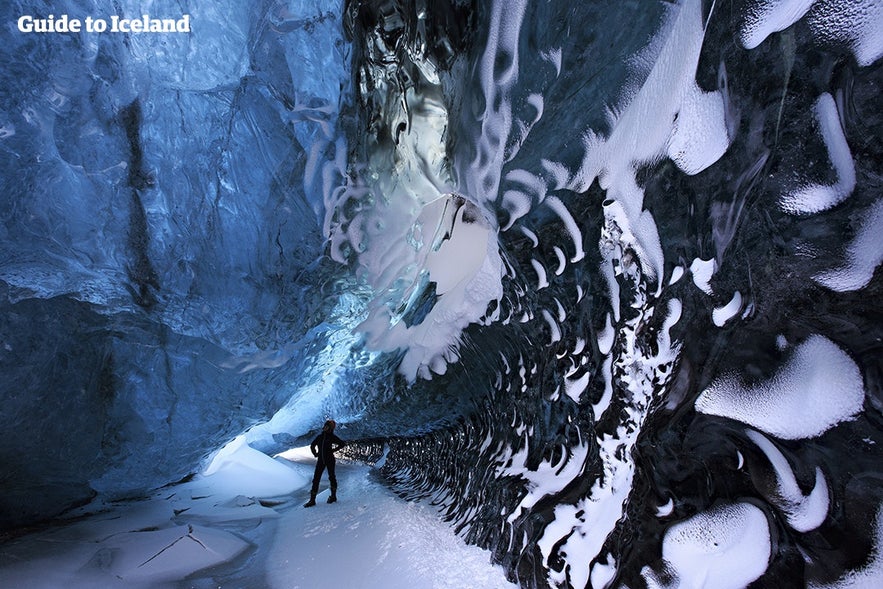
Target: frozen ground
[(243, 526)]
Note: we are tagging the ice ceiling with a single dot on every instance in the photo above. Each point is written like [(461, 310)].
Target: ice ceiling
[(599, 279)]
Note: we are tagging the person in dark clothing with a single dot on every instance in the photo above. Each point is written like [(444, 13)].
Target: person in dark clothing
[(323, 448)]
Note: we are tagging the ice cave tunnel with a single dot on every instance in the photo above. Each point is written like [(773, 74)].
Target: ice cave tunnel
[(594, 282)]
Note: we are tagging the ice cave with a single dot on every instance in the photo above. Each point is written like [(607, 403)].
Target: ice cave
[(590, 288)]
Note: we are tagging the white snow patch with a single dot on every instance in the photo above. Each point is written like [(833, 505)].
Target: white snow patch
[(533, 186), (702, 271), (609, 275), (553, 326), (699, 137), (667, 509), (726, 547), (575, 388), (667, 115), (770, 16), (818, 197), (603, 403), (562, 260), (238, 469), (467, 246), (579, 346), (721, 315), (640, 233), (517, 204), (542, 281), (576, 235), (857, 23), (819, 387), (603, 572), (605, 337), (562, 314), (804, 513), (668, 348), (549, 478), (863, 255), (676, 274), (535, 241)]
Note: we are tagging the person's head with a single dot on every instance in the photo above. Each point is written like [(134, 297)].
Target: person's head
[(329, 426)]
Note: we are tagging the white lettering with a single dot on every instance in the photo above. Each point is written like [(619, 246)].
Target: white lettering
[(62, 24), (26, 23)]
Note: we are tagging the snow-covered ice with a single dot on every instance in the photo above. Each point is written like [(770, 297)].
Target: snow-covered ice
[(207, 534), (797, 401), (725, 547)]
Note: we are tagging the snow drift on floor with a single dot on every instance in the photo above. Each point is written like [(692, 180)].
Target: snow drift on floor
[(213, 532)]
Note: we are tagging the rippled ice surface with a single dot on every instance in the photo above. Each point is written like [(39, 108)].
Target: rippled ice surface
[(683, 365)]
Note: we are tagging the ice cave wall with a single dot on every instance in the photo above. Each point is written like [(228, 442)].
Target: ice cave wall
[(163, 280), (681, 373), (659, 339)]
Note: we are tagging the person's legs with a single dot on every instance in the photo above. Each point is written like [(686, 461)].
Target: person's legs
[(332, 477), (317, 476)]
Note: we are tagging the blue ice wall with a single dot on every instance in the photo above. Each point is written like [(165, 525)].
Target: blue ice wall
[(162, 277)]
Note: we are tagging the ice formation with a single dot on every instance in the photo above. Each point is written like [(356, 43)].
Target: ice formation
[(863, 254), (722, 314), (816, 198), (597, 281), (796, 402), (727, 547), (803, 513)]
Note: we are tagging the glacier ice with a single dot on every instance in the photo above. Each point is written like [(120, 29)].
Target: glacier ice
[(816, 198), (803, 513), (796, 402), (863, 254), (161, 239), (726, 547), (461, 229)]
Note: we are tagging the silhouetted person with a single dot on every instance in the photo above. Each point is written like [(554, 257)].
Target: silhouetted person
[(323, 448)]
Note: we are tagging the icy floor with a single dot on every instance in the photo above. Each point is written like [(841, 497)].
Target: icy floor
[(234, 529)]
